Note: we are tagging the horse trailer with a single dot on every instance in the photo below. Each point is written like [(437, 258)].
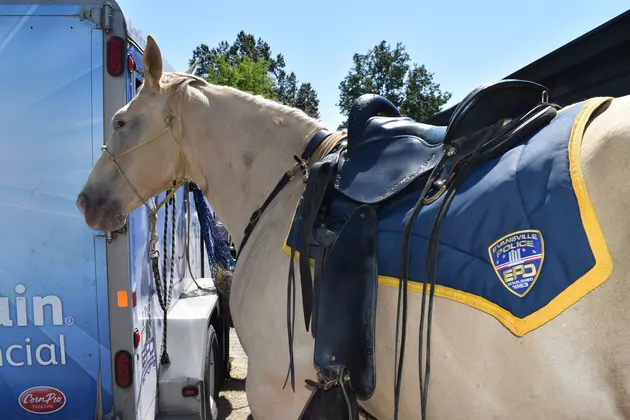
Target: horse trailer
[(83, 316)]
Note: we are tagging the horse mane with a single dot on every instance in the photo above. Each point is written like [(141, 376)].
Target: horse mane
[(177, 83)]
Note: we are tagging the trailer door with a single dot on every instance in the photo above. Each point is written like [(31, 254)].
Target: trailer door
[(53, 294)]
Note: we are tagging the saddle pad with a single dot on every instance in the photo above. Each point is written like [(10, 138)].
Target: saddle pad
[(521, 240)]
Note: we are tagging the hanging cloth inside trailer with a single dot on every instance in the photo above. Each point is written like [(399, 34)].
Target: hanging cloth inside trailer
[(217, 251)]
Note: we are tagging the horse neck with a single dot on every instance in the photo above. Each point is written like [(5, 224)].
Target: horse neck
[(242, 145)]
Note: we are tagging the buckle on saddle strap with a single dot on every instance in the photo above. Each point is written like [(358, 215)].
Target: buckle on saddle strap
[(332, 398)]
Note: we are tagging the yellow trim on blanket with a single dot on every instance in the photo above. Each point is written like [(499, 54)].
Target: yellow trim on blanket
[(597, 275)]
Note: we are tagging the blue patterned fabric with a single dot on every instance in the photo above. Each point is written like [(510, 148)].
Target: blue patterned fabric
[(513, 236), (216, 247)]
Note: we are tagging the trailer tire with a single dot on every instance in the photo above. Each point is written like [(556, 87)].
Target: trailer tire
[(211, 374)]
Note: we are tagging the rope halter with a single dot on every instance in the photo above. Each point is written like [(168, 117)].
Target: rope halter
[(176, 183)]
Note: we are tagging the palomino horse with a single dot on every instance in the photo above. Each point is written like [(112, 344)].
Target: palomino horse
[(236, 146)]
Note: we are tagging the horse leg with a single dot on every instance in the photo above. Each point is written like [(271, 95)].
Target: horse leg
[(264, 339), (266, 396), (258, 305)]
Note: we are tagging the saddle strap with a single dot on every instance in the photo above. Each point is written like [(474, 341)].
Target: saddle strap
[(347, 302), (332, 397), (469, 151), (320, 255), (503, 136), (318, 179)]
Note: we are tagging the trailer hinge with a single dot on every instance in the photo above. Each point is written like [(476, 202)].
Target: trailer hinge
[(110, 236), (106, 17), (88, 15)]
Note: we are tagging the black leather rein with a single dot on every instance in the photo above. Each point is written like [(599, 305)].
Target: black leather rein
[(310, 148)]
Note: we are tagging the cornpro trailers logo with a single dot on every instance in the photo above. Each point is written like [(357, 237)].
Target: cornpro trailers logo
[(37, 311), (42, 400)]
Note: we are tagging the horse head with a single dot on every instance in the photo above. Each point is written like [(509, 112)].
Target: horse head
[(142, 156)]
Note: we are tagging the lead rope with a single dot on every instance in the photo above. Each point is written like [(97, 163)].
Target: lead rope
[(189, 217), (164, 287)]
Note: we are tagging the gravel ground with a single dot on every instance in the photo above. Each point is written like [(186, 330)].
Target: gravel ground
[(232, 400)]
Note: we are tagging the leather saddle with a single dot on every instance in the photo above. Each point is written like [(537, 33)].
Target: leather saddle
[(385, 154)]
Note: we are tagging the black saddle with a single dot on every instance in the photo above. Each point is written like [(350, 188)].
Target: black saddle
[(385, 154)]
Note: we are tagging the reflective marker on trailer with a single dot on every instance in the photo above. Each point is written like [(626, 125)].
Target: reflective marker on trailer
[(123, 369), (131, 63), (136, 338), (123, 298), (115, 56), (190, 391)]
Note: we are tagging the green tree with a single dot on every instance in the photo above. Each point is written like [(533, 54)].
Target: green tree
[(390, 73), (287, 90), (306, 100), (245, 74)]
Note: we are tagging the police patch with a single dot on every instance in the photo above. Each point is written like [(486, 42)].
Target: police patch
[(517, 259)]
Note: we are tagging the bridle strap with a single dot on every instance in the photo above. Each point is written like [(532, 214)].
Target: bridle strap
[(314, 142)]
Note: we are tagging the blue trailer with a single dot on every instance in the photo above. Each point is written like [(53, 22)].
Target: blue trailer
[(81, 324)]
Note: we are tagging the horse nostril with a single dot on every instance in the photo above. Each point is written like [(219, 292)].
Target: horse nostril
[(82, 203)]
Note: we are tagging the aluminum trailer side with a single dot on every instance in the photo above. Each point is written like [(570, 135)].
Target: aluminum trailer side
[(80, 322)]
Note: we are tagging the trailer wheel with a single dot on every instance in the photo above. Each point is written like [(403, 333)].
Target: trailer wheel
[(212, 370)]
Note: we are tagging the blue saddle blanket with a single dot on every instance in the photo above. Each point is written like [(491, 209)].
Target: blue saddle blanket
[(520, 241)]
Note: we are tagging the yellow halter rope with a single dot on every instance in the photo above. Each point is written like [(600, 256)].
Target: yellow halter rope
[(176, 182)]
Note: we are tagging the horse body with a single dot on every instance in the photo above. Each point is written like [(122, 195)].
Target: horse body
[(576, 366)]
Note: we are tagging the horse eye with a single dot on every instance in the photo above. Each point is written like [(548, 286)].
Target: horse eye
[(118, 124)]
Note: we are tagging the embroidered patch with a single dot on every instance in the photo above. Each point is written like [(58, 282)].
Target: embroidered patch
[(517, 259)]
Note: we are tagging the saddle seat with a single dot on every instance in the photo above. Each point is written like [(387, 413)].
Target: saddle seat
[(385, 154)]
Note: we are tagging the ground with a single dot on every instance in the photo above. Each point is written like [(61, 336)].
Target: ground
[(232, 400)]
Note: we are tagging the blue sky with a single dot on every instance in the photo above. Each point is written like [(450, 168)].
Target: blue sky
[(464, 43)]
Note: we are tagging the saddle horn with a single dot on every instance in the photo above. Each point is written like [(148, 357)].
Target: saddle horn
[(365, 107)]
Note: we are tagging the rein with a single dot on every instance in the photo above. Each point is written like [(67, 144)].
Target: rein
[(301, 165)]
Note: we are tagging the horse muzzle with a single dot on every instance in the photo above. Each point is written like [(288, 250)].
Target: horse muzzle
[(100, 213)]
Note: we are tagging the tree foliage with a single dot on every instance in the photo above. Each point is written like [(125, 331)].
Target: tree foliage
[(390, 73), (248, 54), (246, 75)]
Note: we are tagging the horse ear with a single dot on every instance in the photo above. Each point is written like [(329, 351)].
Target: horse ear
[(152, 61)]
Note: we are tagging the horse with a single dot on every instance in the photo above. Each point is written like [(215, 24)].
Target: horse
[(235, 146)]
